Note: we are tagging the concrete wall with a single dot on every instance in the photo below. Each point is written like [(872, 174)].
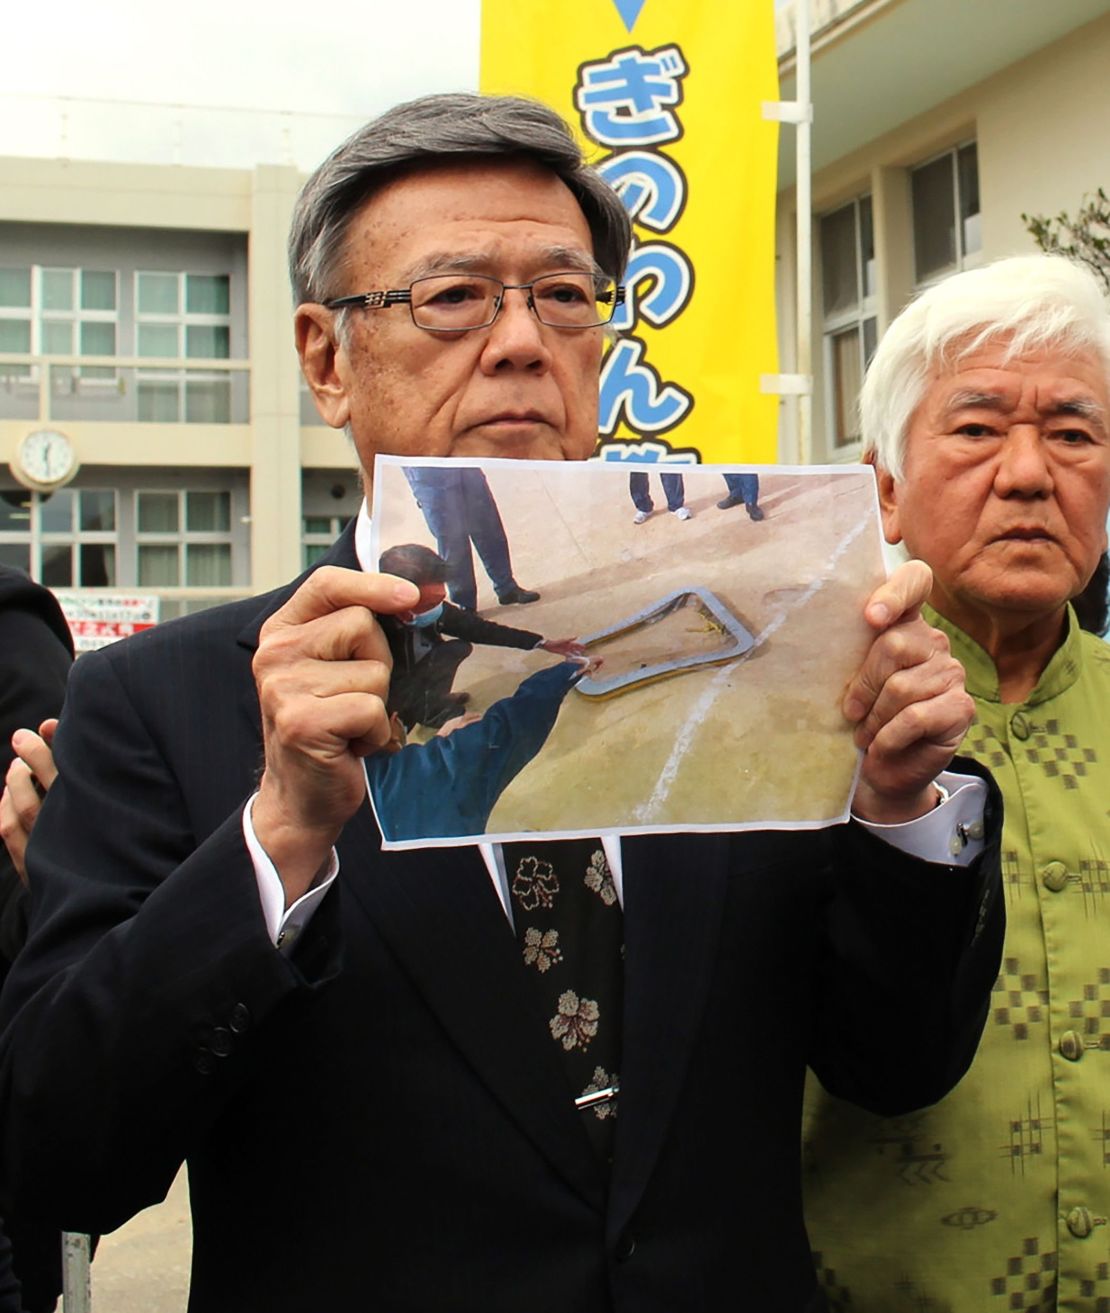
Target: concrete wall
[(1040, 125), (1046, 124)]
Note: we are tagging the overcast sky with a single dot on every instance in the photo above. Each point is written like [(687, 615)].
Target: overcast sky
[(329, 65)]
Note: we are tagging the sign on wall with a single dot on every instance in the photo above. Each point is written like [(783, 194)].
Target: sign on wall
[(667, 99), (97, 619)]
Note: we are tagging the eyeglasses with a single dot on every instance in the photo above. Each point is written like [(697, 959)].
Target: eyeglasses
[(456, 303)]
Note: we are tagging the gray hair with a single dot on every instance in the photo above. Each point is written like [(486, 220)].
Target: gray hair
[(1032, 301), (431, 130)]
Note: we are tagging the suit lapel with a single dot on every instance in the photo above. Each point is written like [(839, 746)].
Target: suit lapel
[(437, 910), (674, 887)]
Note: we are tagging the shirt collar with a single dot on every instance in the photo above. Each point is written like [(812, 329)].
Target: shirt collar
[(366, 561), (1063, 669)]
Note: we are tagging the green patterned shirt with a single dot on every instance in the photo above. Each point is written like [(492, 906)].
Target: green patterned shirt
[(998, 1198)]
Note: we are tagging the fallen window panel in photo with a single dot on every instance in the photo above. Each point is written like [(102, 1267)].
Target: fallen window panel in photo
[(685, 630)]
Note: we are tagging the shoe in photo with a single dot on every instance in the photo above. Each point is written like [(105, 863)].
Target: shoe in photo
[(517, 596)]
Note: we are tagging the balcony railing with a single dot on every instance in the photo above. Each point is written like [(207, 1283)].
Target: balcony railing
[(124, 389)]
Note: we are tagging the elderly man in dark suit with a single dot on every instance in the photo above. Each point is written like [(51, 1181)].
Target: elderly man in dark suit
[(381, 1099)]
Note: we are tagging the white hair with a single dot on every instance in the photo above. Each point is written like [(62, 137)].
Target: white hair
[(1031, 301)]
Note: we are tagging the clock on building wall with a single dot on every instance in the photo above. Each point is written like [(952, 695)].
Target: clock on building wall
[(44, 460)]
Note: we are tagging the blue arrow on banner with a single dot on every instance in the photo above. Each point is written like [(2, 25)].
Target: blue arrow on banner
[(629, 11)]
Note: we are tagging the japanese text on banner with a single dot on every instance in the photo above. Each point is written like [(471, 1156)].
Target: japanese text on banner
[(674, 125)]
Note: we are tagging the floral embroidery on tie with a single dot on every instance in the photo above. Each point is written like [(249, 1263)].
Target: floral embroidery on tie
[(535, 883), (575, 1024), (601, 1080), (541, 948), (600, 879)]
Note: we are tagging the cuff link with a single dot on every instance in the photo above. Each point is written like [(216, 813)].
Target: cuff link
[(964, 835)]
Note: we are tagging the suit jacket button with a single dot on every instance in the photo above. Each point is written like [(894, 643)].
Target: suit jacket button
[(221, 1041), (203, 1061), (240, 1018), (625, 1247)]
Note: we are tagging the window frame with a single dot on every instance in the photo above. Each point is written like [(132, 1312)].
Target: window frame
[(857, 316), (318, 540), (37, 315), (964, 259), (182, 320), (36, 538), (183, 537)]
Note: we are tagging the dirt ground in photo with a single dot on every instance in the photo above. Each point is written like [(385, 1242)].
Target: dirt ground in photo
[(757, 739)]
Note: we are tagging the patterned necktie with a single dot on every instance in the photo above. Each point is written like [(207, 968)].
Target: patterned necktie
[(570, 929)]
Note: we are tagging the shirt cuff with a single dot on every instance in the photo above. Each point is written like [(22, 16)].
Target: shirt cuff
[(283, 926), (952, 833)]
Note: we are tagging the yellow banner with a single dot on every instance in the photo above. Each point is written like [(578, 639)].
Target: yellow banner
[(667, 96)]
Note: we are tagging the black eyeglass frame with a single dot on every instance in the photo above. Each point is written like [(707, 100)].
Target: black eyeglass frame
[(403, 296)]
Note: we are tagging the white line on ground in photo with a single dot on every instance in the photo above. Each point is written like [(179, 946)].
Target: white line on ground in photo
[(645, 813)]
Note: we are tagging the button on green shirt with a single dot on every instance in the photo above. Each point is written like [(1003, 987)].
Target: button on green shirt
[(998, 1198)]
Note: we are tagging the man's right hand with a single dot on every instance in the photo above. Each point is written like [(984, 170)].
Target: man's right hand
[(322, 669), (564, 647)]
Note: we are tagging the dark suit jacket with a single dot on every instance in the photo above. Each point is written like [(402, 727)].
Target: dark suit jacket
[(36, 651), (455, 622), (380, 1120)]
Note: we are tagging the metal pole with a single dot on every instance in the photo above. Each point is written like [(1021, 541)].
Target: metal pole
[(76, 1278), (804, 236)]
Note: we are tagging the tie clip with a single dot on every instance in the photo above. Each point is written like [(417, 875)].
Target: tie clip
[(596, 1096)]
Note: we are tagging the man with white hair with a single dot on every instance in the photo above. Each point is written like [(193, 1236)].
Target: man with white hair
[(986, 412)]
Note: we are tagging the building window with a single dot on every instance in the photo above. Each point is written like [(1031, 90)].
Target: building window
[(946, 228), (64, 539), (319, 532), (183, 538), (180, 316), (15, 528), (15, 319), (848, 291), (59, 312)]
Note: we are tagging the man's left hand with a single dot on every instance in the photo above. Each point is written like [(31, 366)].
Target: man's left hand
[(907, 701)]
